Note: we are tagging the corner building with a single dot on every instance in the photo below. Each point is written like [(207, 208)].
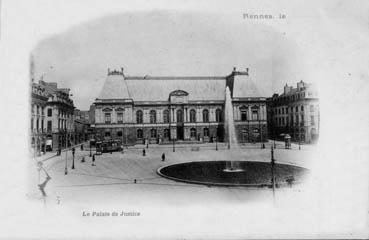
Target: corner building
[(137, 109)]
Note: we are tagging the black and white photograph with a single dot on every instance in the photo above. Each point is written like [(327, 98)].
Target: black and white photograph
[(184, 119)]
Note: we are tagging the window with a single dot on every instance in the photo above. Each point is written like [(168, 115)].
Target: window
[(49, 112), (166, 133), (302, 108), (286, 110), (37, 124), (166, 116), (297, 120), (33, 109), (297, 108), (193, 133), (139, 133), (254, 114), (192, 115), (218, 115), (152, 116), (312, 120), (49, 126), (153, 133), (107, 134), (282, 110), (243, 114), (311, 108), (107, 117), (38, 110), (205, 115), (120, 117), (42, 124), (119, 133), (179, 116), (139, 116), (31, 124), (42, 111), (302, 120), (206, 132)]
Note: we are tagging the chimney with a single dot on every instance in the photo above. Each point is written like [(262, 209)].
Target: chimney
[(108, 71), (234, 69), (247, 71), (286, 89)]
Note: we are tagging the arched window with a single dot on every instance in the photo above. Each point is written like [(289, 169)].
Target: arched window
[(205, 115), (153, 133), (152, 116), (206, 132), (166, 116), (166, 133), (179, 115), (139, 133), (218, 115), (193, 132), (139, 116), (192, 115)]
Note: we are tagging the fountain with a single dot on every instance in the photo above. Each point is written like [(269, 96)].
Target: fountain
[(230, 172), (231, 166)]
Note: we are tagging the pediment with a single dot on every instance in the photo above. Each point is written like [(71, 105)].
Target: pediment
[(107, 109), (178, 93)]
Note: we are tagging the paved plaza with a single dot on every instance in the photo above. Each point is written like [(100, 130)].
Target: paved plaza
[(131, 178)]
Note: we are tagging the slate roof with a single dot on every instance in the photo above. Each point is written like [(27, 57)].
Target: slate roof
[(244, 87), (149, 88)]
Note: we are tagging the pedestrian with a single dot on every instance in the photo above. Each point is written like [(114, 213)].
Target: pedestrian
[(93, 160), (83, 159), (81, 147), (163, 157), (143, 152), (73, 151)]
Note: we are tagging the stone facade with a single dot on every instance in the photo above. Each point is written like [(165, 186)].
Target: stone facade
[(59, 117), (163, 109), (295, 112), (38, 123)]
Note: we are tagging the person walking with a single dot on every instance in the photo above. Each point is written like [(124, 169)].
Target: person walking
[(143, 152), (93, 160), (163, 157)]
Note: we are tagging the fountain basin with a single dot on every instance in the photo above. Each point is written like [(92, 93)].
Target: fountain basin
[(251, 174)]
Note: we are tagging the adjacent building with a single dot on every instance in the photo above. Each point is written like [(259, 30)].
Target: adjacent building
[(58, 116), (295, 112), (136, 109), (39, 98)]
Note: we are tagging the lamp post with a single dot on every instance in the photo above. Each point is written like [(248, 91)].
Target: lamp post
[(66, 156), (216, 143), (90, 149), (73, 151), (174, 147), (272, 166)]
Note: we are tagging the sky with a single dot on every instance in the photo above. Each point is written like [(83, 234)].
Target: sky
[(167, 43)]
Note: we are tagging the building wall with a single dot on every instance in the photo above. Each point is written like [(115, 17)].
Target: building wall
[(257, 129), (296, 112)]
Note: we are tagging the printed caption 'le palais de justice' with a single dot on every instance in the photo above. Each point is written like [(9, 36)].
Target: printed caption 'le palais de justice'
[(110, 214)]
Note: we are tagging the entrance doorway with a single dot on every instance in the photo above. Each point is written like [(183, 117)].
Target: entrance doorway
[(180, 132)]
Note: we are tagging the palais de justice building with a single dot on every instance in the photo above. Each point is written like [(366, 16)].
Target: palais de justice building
[(135, 109)]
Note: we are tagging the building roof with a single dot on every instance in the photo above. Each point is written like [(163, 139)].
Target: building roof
[(244, 87), (153, 88), (115, 88)]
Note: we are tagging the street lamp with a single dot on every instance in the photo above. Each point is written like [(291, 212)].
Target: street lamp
[(66, 156), (272, 166), (73, 151), (174, 147), (216, 143)]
